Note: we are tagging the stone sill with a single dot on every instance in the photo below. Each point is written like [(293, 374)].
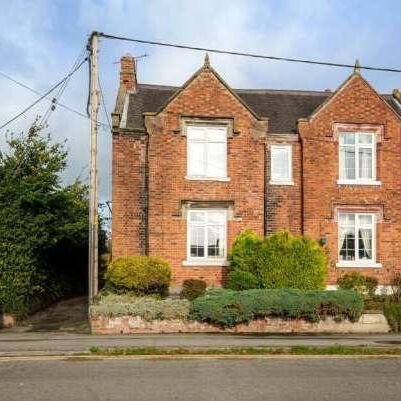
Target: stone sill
[(359, 265), (205, 263), (220, 179), (359, 183), (281, 183)]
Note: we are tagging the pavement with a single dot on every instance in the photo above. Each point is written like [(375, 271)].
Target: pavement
[(18, 342), (293, 379)]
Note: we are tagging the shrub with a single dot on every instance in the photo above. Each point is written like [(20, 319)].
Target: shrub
[(365, 285), (239, 280), (140, 274), (392, 311), (280, 260), (227, 308), (375, 302), (396, 288), (147, 308), (244, 251), (192, 289)]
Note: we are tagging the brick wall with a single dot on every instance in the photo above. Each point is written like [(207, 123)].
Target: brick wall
[(283, 210), (148, 199), (129, 195), (358, 105), (205, 96)]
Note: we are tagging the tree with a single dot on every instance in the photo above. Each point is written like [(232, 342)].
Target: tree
[(43, 224)]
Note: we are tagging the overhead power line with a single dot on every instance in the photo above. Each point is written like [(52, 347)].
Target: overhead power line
[(45, 94), (40, 94), (58, 103), (245, 54), (61, 90), (104, 103)]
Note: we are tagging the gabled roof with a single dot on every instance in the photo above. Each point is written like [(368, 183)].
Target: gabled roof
[(282, 107), (387, 99)]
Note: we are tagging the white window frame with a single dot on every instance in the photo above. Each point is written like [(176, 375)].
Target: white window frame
[(358, 262), (279, 180), (205, 260), (206, 176), (357, 180)]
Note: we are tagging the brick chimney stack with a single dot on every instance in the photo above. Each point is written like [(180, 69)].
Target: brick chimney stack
[(128, 73)]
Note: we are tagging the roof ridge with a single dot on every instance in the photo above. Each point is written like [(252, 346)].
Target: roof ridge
[(253, 90), (239, 90)]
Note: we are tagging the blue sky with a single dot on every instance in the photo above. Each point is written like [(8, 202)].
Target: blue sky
[(41, 39)]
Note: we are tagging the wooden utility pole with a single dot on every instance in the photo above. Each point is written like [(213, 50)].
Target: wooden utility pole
[(93, 185)]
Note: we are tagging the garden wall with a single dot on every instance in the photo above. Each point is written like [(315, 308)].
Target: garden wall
[(368, 323)]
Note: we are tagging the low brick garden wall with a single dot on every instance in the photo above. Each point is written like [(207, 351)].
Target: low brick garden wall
[(368, 323)]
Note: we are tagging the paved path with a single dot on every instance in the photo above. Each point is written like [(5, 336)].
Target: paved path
[(196, 380), (17, 343)]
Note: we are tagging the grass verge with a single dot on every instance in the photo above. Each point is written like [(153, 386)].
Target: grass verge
[(298, 350)]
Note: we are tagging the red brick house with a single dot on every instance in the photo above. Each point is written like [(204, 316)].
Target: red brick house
[(195, 165)]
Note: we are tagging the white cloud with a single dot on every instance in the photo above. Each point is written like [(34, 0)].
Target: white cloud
[(40, 44)]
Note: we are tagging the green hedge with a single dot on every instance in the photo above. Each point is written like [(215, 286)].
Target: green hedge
[(141, 275), (365, 285), (227, 308), (281, 260), (392, 311), (145, 307), (239, 280), (193, 288)]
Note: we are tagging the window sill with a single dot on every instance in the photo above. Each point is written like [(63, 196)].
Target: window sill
[(350, 182), (220, 263), (281, 182), (194, 178), (360, 264)]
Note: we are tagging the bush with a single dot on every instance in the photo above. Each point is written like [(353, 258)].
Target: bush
[(141, 275), (227, 308), (365, 285), (192, 289), (396, 288), (244, 251), (147, 308), (392, 311), (239, 280), (376, 302), (280, 260)]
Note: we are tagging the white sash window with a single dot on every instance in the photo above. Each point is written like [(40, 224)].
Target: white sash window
[(206, 152), (357, 158), (281, 165), (357, 239), (206, 237)]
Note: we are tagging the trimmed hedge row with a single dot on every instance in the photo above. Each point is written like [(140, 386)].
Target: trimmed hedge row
[(227, 308), (147, 308)]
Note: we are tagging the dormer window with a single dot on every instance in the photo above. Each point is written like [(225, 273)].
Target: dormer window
[(207, 152), (357, 158)]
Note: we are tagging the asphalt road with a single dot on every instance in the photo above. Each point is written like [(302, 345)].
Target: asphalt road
[(196, 380)]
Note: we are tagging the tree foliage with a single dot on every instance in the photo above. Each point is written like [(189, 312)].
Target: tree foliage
[(43, 224)]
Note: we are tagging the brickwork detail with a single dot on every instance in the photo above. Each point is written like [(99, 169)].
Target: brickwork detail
[(355, 104), (129, 185), (149, 184), (368, 323)]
